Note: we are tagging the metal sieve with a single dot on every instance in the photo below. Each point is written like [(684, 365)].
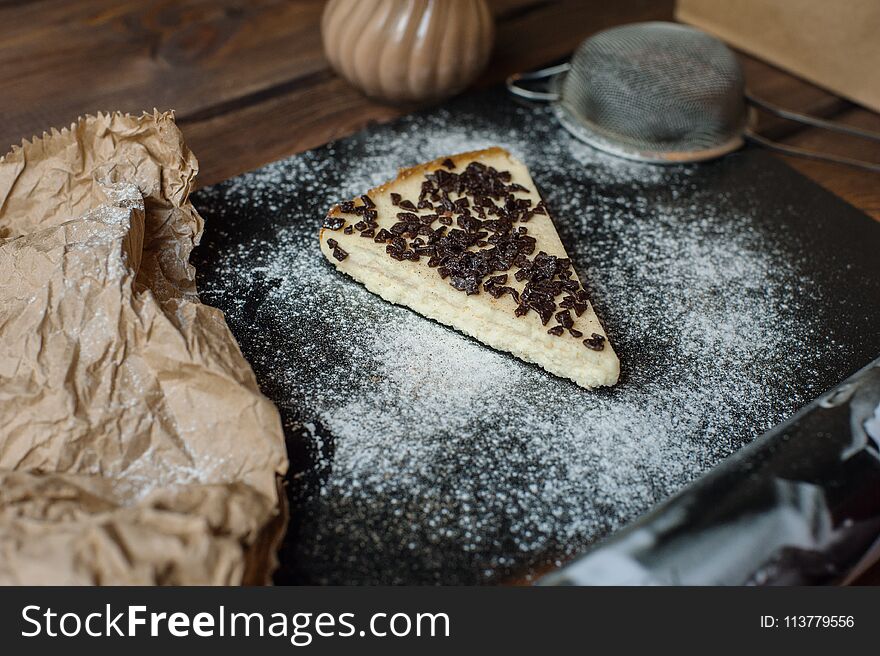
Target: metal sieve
[(660, 92)]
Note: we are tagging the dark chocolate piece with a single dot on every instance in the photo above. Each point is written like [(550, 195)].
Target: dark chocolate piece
[(564, 318), (333, 222), (595, 342)]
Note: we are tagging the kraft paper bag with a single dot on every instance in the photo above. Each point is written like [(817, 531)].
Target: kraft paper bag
[(135, 445), (832, 44)]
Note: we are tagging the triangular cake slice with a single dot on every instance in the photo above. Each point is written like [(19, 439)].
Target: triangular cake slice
[(467, 241)]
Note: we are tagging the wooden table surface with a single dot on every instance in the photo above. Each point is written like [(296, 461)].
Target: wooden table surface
[(249, 82)]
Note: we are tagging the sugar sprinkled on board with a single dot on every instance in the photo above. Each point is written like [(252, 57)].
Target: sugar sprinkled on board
[(450, 462)]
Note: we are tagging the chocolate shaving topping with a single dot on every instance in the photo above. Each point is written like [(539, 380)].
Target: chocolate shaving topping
[(488, 241), (348, 229), (332, 243), (333, 222), (339, 254), (564, 318), (595, 342)]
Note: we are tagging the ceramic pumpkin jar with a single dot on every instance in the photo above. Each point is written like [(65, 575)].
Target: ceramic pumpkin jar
[(408, 50)]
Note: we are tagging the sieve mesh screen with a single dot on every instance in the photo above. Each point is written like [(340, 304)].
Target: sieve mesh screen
[(654, 91)]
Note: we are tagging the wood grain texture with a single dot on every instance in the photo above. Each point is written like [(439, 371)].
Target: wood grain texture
[(60, 59), (860, 188), (250, 84)]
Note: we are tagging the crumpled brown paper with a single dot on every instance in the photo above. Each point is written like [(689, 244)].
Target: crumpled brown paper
[(135, 446)]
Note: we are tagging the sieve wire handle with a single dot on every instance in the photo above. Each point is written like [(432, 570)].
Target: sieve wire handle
[(806, 119), (530, 94), (815, 122), (810, 154)]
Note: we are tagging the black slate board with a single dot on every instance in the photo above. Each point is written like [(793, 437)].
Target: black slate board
[(825, 293)]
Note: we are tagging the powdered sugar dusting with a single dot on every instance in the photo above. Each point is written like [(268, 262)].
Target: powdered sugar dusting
[(441, 460)]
